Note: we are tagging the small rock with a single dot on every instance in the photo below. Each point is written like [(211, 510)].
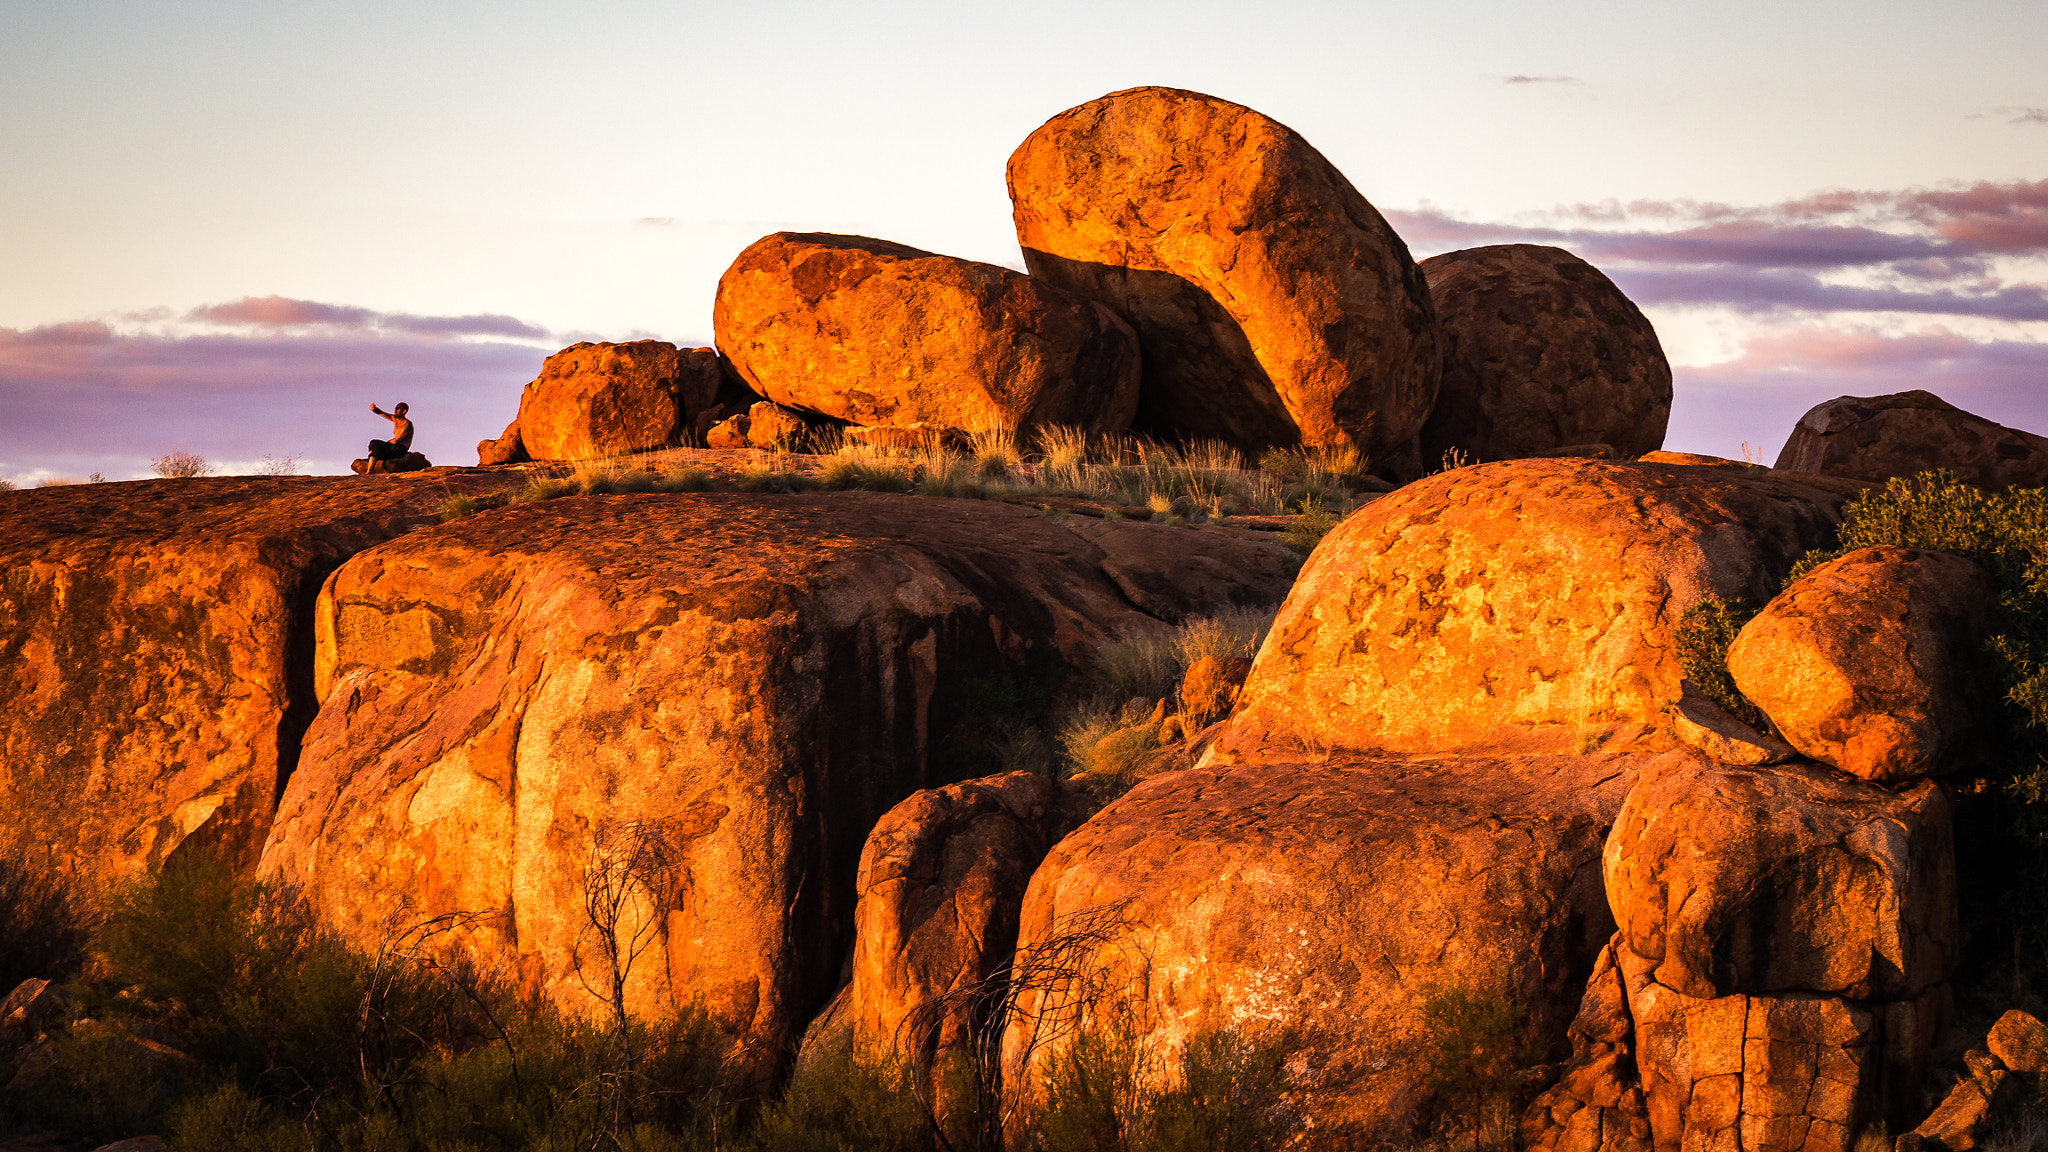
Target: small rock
[(134, 1144), (506, 449), (1970, 1109), (1872, 663), (772, 427), (410, 462), (1210, 687), (2020, 1042), (730, 432), (32, 1004)]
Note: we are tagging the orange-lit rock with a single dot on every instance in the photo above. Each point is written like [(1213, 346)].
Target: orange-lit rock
[(1784, 879), (941, 880), (506, 449), (1597, 1104), (772, 427), (1273, 304), (155, 655), (1874, 663), (1328, 897), (593, 400), (1541, 351), (759, 678), (1527, 605), (1879, 437), (879, 333)]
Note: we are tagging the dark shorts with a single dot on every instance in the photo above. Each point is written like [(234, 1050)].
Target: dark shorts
[(385, 450)]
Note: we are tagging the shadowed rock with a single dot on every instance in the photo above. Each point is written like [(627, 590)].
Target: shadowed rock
[(1879, 437), (752, 679), (1273, 304), (1873, 663), (877, 333), (1541, 352)]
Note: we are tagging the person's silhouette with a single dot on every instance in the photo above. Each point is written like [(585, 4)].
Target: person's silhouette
[(401, 434)]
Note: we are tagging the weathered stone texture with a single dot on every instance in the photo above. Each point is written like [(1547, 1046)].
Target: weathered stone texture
[(596, 400), (1879, 437), (1874, 663), (1541, 351), (757, 677), (878, 333), (1274, 305)]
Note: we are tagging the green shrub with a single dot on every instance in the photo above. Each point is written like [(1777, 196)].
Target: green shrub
[(1103, 1092), (1705, 631), (1312, 521), (1473, 1049), (852, 1100), (44, 926), (685, 480), (458, 506)]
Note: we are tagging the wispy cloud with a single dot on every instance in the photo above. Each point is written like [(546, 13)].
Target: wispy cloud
[(656, 221), (1524, 79), (282, 312)]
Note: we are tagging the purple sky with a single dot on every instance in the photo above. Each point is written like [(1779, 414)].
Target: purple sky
[(228, 226)]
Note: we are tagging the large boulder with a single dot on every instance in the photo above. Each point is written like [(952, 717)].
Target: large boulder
[(1520, 606), (739, 684), (1541, 351), (1874, 663), (1273, 304), (596, 400), (1325, 901), (877, 333), (1784, 879), (1879, 437), (155, 650), (941, 880)]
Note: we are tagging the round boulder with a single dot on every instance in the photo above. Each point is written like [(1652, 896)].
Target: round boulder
[(877, 333), (1541, 351), (595, 400), (1872, 662), (1273, 303)]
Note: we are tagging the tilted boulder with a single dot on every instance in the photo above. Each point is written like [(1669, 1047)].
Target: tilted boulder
[(750, 680), (1523, 606), (2020, 1042), (1878, 437), (877, 333), (1541, 352), (154, 643), (1274, 305), (941, 881), (1966, 1115), (596, 400), (1784, 879), (506, 449), (1325, 900), (1874, 663)]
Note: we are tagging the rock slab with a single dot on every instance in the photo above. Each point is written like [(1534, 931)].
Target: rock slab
[(1879, 437), (1541, 352), (1274, 305), (877, 333)]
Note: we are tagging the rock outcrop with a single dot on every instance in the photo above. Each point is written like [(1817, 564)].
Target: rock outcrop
[(155, 653), (751, 681), (1326, 899), (1541, 352), (1873, 663), (1879, 437), (595, 400), (506, 449), (1273, 304), (876, 333), (941, 880), (1441, 617), (410, 462)]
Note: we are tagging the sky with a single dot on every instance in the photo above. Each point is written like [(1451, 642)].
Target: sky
[(228, 227)]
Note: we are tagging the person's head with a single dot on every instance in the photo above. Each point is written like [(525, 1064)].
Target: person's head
[(400, 409)]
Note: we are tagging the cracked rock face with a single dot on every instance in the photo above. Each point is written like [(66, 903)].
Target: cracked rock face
[(1541, 351), (1784, 879), (754, 678), (154, 641), (1273, 304), (877, 333), (1525, 606), (1328, 898), (595, 400), (1873, 663), (1878, 437)]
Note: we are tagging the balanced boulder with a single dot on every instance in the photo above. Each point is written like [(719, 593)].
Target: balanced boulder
[(1541, 352), (1274, 305), (1528, 606), (876, 333), (1873, 663), (1878, 437), (741, 684), (596, 400)]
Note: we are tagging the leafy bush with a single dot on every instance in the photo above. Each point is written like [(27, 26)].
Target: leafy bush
[(1705, 631), (44, 926), (1474, 1049), (852, 1099), (1312, 521), (1225, 1093)]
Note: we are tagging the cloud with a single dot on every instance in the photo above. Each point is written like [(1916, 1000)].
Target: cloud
[(2022, 115), (656, 221), (1520, 79), (279, 312), (1758, 394)]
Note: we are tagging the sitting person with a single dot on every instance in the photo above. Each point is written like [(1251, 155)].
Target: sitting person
[(401, 435)]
